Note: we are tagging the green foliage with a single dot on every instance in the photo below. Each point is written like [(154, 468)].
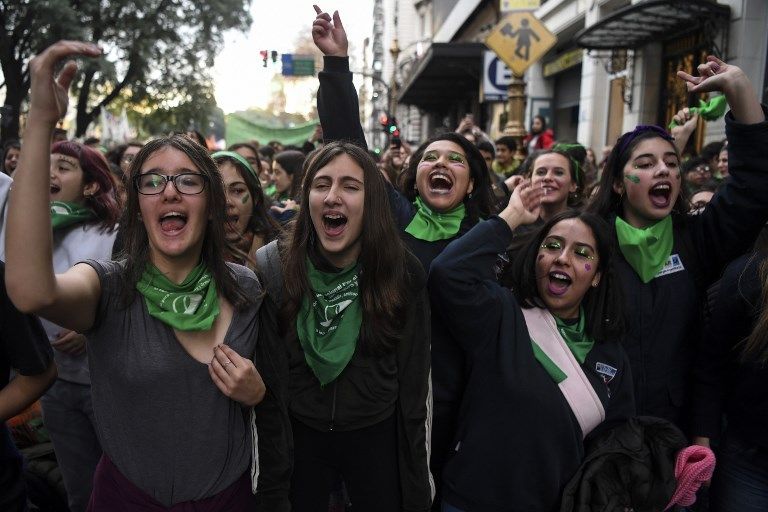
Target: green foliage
[(157, 52)]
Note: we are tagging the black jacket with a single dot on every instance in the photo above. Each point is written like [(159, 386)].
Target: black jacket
[(725, 384), (371, 389), (337, 107), (665, 314), (628, 467), (518, 442)]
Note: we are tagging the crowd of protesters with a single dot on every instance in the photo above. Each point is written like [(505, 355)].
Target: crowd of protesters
[(457, 325)]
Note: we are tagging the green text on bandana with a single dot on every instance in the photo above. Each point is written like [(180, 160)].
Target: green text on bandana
[(431, 226), (65, 214), (646, 250), (192, 305), (328, 323)]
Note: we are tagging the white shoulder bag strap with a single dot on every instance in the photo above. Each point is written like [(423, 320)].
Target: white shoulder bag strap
[(576, 388)]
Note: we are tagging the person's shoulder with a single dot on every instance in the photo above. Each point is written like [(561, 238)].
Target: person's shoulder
[(244, 276)]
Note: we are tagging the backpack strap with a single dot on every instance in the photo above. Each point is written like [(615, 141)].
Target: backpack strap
[(576, 388), (271, 271)]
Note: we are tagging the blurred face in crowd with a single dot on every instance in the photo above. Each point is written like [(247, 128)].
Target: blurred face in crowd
[(282, 179), (11, 160), (443, 177), (488, 157), (127, 158), (251, 157), (699, 175), (552, 172), (722, 163), (537, 126), (239, 201), (503, 154)]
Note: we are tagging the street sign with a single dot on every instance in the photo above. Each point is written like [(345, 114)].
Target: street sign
[(520, 5), (298, 65), (520, 39), (496, 77)]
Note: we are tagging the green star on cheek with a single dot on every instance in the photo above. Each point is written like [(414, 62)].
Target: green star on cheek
[(631, 177)]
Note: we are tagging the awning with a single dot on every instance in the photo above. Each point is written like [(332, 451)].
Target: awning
[(652, 20), (447, 72)]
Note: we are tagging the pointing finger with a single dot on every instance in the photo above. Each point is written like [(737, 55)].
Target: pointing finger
[(318, 10)]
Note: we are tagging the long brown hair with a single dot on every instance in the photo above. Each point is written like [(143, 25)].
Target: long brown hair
[(136, 248), (384, 273)]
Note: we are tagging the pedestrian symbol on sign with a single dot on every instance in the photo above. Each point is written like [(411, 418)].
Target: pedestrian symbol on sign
[(524, 34)]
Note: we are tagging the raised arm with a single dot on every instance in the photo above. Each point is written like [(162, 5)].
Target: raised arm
[(68, 299), (462, 283), (732, 220), (337, 103)]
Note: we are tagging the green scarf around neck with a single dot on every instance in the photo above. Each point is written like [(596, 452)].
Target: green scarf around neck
[(646, 250), (328, 324), (64, 214), (578, 341), (192, 305), (432, 226), (271, 190)]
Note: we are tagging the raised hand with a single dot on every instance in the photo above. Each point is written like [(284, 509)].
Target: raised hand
[(49, 95), (236, 376), (716, 75), (329, 35), (524, 205), (685, 125)]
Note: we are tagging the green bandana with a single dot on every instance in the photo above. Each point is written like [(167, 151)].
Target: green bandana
[(270, 190), (67, 214), (577, 340), (192, 305), (431, 226), (328, 326), (646, 250), (709, 110)]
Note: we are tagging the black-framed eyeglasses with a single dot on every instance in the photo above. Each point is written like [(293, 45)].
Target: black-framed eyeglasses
[(153, 183)]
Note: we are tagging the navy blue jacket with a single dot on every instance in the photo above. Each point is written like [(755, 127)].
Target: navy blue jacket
[(664, 314), (518, 442)]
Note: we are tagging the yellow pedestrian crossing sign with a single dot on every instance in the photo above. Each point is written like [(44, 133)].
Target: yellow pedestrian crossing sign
[(520, 39)]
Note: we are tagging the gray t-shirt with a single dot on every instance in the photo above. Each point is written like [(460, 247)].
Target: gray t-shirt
[(160, 418)]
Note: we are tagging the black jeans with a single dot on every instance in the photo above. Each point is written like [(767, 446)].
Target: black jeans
[(366, 459)]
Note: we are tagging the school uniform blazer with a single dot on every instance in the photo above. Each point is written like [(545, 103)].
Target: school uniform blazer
[(518, 442), (664, 315)]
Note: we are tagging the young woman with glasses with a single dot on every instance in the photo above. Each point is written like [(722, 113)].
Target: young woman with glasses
[(173, 330)]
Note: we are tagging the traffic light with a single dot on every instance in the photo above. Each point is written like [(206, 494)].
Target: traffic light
[(392, 128), (264, 56)]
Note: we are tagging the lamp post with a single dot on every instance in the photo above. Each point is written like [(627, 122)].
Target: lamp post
[(394, 50)]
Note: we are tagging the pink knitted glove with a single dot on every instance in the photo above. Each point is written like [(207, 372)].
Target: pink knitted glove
[(694, 466)]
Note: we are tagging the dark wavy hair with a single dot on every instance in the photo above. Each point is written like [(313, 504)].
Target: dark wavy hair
[(136, 241), (384, 273), (95, 170), (603, 305), (607, 201), (480, 203), (292, 163)]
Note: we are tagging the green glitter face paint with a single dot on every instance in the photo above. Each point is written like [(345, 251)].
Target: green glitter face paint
[(631, 177), (246, 197)]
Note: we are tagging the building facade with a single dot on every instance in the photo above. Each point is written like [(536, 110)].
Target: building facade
[(613, 65)]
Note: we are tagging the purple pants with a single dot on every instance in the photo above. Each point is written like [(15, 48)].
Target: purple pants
[(113, 492)]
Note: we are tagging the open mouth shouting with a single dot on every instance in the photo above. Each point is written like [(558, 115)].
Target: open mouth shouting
[(334, 223), (440, 182), (55, 189), (661, 194), (172, 223), (558, 282)]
